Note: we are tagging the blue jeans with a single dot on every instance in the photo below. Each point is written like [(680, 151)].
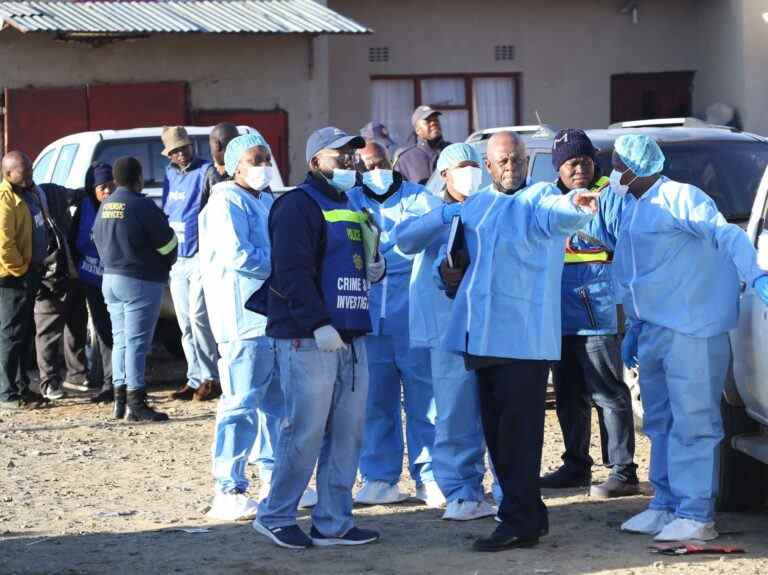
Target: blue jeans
[(196, 336), (459, 446), (248, 374), (589, 371), (681, 385), (263, 452), (134, 307), (390, 361), (323, 423)]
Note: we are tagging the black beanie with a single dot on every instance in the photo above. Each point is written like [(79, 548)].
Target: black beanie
[(571, 144), (127, 171)]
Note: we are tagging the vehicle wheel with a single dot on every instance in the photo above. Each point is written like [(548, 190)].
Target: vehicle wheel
[(169, 335), (743, 479), (632, 381)]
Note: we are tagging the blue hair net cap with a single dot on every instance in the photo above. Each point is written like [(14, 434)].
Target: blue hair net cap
[(237, 148), (455, 154), (641, 154)]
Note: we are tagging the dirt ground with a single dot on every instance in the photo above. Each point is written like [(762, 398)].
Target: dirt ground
[(68, 471)]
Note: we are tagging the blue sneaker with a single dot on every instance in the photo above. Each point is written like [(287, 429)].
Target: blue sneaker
[(290, 537), (354, 536)]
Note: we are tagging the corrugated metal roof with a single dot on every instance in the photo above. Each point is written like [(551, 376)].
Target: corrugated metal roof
[(152, 17)]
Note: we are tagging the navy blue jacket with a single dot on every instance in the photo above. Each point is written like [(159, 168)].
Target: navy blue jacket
[(297, 231), (417, 163), (133, 237)]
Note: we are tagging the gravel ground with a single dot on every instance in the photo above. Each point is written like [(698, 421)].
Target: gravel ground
[(81, 493)]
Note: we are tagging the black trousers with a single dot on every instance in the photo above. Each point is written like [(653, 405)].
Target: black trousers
[(17, 303), (61, 320), (103, 328), (512, 403)]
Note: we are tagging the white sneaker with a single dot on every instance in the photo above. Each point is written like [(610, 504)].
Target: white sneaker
[(379, 493), (232, 507), (686, 530), (649, 522), (429, 492), (308, 498), (467, 510)]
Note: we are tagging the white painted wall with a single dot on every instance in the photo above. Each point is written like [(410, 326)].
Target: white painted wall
[(222, 72)]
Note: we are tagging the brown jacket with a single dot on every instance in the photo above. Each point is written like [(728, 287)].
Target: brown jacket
[(15, 233)]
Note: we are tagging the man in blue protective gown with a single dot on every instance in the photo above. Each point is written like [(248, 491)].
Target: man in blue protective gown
[(318, 314), (678, 264), (506, 323), (234, 263), (458, 455), (391, 359)]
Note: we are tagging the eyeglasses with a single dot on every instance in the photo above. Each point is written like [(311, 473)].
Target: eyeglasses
[(344, 158)]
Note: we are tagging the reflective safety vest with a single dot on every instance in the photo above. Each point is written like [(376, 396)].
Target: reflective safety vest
[(590, 255), (343, 279), (182, 203)]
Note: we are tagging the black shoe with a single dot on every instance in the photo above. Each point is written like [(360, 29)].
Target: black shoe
[(106, 395), (290, 537), (53, 391), (118, 410), (354, 536), (564, 478), (138, 410), (502, 539), (32, 400)]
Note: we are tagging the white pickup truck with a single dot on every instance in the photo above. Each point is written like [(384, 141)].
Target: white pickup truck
[(744, 461), (65, 161)]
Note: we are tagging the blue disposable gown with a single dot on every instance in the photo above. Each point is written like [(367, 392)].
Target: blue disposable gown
[(678, 261), (508, 303)]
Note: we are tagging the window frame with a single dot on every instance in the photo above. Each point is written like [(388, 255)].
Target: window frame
[(468, 90)]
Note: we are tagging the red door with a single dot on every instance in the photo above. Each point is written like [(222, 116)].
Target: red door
[(273, 125), (651, 96), (125, 106), (35, 117)]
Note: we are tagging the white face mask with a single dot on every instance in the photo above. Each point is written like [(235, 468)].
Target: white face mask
[(466, 180), (258, 177), (343, 180), (378, 181), (615, 181)]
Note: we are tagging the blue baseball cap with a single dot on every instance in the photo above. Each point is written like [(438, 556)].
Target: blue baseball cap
[(333, 139)]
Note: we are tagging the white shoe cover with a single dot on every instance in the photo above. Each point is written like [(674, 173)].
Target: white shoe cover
[(232, 507), (379, 493), (468, 510), (308, 498), (429, 492), (686, 530), (649, 522)]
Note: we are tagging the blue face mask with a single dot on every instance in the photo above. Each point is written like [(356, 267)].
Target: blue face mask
[(378, 181), (343, 180)]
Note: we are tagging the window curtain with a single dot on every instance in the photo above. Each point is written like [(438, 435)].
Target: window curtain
[(440, 92), (493, 103), (392, 105)]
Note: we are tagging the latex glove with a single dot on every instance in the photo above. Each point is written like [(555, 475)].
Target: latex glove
[(629, 347), (374, 271), (761, 288), (450, 210), (328, 339)]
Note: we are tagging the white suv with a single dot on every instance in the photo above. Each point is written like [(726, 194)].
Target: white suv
[(65, 162)]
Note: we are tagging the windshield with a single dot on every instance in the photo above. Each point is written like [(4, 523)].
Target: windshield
[(728, 172)]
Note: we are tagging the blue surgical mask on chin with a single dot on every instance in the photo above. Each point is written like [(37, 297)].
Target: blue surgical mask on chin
[(378, 181), (343, 180)]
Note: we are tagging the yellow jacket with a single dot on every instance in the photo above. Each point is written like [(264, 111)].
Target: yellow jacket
[(15, 233)]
